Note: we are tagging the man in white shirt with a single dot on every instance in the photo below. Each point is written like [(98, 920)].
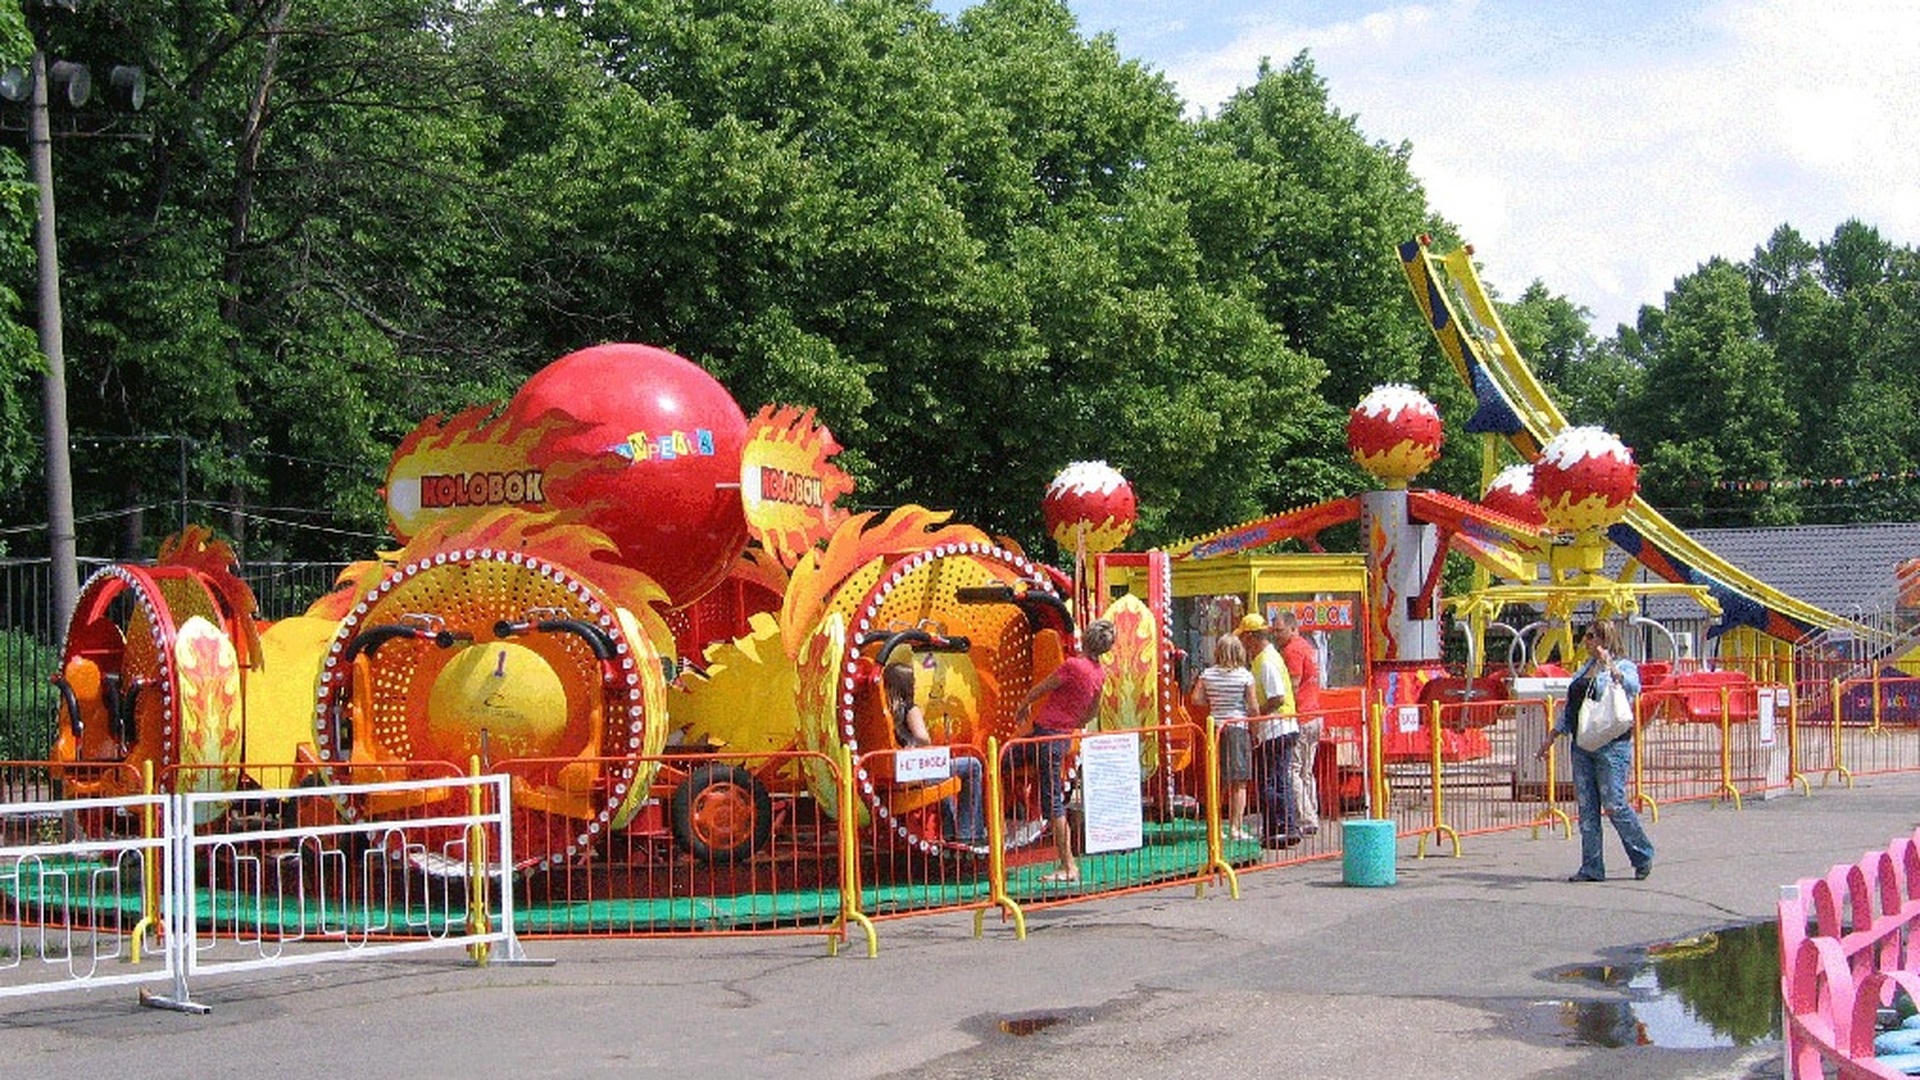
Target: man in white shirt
[(1274, 736)]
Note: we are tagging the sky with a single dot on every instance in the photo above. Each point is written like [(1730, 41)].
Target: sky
[(1605, 148)]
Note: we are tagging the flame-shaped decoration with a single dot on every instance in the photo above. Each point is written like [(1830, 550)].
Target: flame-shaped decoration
[(550, 536), (1130, 699), (788, 484), (653, 702), (1380, 599), (816, 673), (819, 575), (349, 586), (208, 671), (447, 450), (195, 548)]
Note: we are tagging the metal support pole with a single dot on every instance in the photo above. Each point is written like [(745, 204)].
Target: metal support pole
[(62, 545)]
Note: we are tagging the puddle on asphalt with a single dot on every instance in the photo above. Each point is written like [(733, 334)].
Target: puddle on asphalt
[(1721, 989)]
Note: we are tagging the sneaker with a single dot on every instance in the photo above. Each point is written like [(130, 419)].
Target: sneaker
[(1642, 873), (1309, 830), (1242, 836), (1584, 876)]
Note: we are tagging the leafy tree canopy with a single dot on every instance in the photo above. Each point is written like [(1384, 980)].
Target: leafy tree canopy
[(981, 247)]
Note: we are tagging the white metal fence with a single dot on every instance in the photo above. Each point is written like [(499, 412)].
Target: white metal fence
[(228, 882), (75, 907)]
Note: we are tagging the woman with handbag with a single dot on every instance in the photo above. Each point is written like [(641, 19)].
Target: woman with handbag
[(1602, 694)]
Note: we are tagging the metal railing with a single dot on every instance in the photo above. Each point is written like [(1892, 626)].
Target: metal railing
[(208, 883), (77, 907), (30, 642)]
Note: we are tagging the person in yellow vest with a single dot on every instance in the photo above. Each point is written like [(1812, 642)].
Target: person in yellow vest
[(1275, 736)]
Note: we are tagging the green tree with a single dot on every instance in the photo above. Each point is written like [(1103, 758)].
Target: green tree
[(1876, 436), (1593, 382), (962, 242), (1712, 417), (1840, 317), (26, 698), (20, 360), (1319, 216), (1806, 323), (293, 265)]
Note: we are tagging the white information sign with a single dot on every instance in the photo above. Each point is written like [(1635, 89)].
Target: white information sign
[(1110, 769), (922, 763), (1766, 717), (1408, 718)]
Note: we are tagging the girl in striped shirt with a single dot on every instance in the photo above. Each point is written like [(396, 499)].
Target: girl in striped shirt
[(1225, 691)]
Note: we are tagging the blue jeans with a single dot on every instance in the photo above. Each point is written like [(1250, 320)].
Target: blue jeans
[(964, 816), (1600, 782), (1047, 758), (1273, 765)]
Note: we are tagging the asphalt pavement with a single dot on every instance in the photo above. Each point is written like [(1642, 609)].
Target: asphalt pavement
[(1470, 967)]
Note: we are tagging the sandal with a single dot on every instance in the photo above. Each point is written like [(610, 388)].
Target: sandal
[(1059, 877)]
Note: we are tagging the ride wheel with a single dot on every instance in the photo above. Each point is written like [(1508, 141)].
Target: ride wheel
[(119, 683), (721, 814), (997, 601), (508, 659)]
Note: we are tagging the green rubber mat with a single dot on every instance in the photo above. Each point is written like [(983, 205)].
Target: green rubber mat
[(1172, 851)]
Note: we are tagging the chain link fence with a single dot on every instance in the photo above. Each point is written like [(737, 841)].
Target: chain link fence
[(30, 642)]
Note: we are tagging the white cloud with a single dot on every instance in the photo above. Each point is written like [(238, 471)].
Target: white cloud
[(1611, 150)]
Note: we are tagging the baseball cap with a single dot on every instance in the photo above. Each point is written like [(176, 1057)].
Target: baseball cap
[(1253, 623)]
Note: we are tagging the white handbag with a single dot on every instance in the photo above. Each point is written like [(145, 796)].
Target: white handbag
[(1604, 718)]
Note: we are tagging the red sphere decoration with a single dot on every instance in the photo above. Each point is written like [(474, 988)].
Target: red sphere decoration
[(653, 460), (1090, 500), (1584, 479), (1394, 433), (1511, 493)]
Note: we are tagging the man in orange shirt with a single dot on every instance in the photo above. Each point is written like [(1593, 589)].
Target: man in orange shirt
[(1303, 668)]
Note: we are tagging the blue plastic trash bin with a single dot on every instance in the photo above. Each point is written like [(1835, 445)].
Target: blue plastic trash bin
[(1367, 851)]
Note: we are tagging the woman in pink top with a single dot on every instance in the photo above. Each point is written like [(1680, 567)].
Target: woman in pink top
[(1072, 694)]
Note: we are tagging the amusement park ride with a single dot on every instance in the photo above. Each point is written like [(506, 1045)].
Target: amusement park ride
[(620, 569)]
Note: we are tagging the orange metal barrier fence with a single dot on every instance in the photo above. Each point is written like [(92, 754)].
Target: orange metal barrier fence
[(39, 781), (1480, 774), (1139, 805), (711, 843), (798, 842), (1871, 725)]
